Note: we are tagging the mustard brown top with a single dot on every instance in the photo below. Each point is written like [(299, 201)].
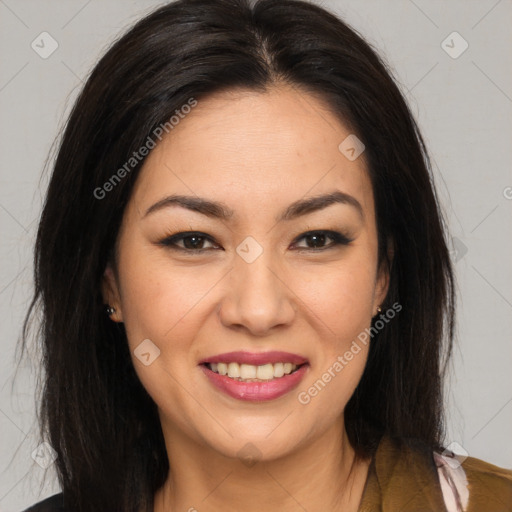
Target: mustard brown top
[(404, 478)]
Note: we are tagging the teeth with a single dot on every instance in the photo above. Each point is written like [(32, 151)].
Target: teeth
[(251, 373), (233, 370), (247, 371), (265, 372), (278, 369)]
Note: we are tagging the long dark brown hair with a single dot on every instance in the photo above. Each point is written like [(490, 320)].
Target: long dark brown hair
[(93, 409)]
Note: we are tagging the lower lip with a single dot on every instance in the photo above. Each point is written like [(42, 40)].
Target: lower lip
[(256, 391)]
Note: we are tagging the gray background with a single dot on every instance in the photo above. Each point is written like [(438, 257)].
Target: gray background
[(463, 106)]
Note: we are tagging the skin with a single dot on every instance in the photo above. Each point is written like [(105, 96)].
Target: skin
[(311, 302)]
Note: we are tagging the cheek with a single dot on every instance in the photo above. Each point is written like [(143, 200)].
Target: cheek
[(160, 300), (167, 305), (339, 295), (342, 304), (340, 298)]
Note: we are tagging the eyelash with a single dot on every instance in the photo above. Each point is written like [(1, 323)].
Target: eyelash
[(336, 237)]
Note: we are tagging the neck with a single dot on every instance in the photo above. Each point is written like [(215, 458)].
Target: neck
[(324, 475)]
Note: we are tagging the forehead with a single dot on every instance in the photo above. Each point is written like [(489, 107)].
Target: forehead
[(244, 147)]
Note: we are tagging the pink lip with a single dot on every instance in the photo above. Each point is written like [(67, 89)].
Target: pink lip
[(256, 391), (256, 358)]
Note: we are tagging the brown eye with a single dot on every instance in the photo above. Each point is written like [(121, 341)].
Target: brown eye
[(316, 240), (192, 242)]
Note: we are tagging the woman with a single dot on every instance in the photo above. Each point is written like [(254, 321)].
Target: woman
[(245, 284)]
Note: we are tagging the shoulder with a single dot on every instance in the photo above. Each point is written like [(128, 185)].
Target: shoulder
[(52, 504), (402, 476), (475, 484), (407, 475)]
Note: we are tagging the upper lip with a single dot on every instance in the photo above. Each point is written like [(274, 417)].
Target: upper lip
[(255, 358)]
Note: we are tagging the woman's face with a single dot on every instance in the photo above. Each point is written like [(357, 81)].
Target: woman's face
[(253, 281)]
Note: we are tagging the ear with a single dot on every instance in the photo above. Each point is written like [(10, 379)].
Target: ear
[(110, 293), (383, 276)]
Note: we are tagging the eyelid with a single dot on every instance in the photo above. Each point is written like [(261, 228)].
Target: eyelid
[(170, 241), (338, 239)]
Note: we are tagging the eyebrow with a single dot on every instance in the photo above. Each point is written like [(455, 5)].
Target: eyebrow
[(220, 211)]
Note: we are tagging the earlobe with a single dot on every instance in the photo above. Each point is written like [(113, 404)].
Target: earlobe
[(382, 286), (383, 278), (110, 294)]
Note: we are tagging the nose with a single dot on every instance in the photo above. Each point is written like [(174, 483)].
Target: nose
[(258, 297)]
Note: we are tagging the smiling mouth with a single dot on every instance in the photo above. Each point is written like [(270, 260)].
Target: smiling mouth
[(253, 373)]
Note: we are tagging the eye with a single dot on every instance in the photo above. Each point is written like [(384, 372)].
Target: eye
[(317, 240), (193, 241)]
